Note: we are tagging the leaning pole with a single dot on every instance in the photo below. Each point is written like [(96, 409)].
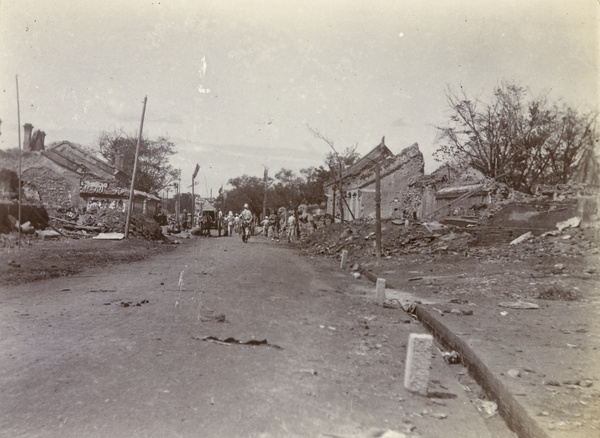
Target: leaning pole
[(137, 151)]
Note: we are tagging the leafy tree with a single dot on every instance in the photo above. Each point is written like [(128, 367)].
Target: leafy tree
[(287, 189), (154, 172), (246, 190), (514, 138), (312, 187)]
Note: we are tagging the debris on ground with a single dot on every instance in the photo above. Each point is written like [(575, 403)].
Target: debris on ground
[(522, 238), (487, 233), (514, 373), (233, 341), (129, 303), (451, 357), (487, 408), (555, 293), (519, 305)]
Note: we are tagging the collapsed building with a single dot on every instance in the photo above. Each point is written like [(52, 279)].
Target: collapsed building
[(66, 180), (397, 172), (460, 196), (406, 192)]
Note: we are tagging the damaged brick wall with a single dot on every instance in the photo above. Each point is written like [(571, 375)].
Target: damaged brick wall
[(57, 192), (398, 199)]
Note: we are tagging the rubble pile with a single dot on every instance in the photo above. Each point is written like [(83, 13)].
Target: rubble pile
[(500, 195), (358, 238), (110, 221), (430, 238)]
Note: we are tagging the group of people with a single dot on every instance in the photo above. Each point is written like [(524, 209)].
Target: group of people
[(233, 222), (277, 225)]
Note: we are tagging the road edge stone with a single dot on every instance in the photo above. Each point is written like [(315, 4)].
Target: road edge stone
[(514, 413)]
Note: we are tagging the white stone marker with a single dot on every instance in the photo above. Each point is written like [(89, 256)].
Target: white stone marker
[(344, 259), (418, 363), (380, 291)]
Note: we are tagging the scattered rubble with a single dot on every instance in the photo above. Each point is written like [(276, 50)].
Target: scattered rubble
[(519, 305), (513, 225), (555, 293), (233, 341), (486, 407)]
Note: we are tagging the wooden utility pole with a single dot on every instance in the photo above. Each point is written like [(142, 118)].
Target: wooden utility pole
[(19, 185), (137, 151), (179, 197), (193, 200), (264, 215), (378, 199), (342, 196), (333, 205)]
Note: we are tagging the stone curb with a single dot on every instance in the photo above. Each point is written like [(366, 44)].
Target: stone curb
[(514, 413)]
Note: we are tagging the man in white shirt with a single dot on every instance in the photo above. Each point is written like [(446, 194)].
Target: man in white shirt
[(291, 228)]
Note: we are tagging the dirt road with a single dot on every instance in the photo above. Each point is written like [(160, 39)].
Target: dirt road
[(144, 349)]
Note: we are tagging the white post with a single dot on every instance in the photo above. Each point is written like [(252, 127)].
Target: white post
[(344, 259), (418, 363), (380, 291)]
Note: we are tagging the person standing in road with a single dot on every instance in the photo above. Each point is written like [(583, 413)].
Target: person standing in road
[(237, 221), (265, 226), (230, 219), (246, 219), (274, 227), (291, 228)]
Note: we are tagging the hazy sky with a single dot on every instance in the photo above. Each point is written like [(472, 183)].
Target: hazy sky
[(235, 83)]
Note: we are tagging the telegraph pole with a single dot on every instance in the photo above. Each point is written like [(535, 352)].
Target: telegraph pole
[(19, 186), (137, 151), (176, 202), (179, 198), (378, 200), (264, 215), (193, 200)]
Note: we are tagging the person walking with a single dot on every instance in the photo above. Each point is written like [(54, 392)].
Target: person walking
[(246, 219), (236, 223), (274, 227)]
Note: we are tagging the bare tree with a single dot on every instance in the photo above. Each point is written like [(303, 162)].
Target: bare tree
[(337, 164), (515, 138)]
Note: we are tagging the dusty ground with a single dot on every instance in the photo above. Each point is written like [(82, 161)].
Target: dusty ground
[(548, 357), (121, 352), (43, 259), (554, 350)]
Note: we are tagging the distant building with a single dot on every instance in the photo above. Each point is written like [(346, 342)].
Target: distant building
[(64, 178), (397, 172)]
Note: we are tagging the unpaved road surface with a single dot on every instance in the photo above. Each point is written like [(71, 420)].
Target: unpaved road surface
[(133, 351)]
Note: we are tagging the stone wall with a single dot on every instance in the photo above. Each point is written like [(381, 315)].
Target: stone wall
[(57, 192), (398, 200)]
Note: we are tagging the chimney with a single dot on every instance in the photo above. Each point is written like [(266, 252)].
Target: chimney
[(27, 128), (118, 161), (41, 141), (37, 141)]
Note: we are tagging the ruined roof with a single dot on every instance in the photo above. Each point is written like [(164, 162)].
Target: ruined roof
[(390, 163), (146, 195), (367, 161), (204, 205), (74, 158), (362, 173)]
